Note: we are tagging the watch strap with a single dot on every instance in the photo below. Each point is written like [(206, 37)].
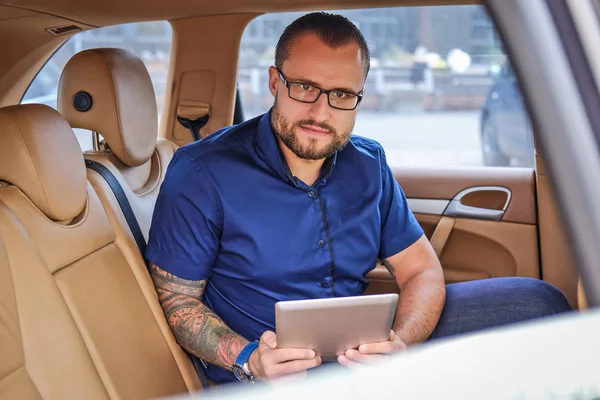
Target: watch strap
[(244, 355)]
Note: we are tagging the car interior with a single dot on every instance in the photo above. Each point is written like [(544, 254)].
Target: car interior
[(79, 314)]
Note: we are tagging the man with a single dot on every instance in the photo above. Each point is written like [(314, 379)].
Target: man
[(290, 206)]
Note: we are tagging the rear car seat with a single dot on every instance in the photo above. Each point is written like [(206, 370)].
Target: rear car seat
[(87, 327), (109, 91)]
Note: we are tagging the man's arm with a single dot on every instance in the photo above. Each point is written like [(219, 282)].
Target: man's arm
[(201, 332), (419, 275), (196, 328)]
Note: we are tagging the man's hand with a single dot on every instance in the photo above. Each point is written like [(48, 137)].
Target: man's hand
[(372, 352), (268, 362)]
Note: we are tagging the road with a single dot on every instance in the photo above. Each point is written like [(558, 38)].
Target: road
[(445, 138)]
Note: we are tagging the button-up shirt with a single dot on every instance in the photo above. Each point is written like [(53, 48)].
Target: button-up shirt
[(231, 212)]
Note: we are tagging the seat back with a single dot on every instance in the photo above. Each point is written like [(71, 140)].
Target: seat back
[(74, 273), (123, 111), (43, 353)]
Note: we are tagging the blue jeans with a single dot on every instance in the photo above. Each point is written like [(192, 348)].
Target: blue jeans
[(476, 305)]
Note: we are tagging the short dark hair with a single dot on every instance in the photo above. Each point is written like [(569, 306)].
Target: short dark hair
[(333, 29)]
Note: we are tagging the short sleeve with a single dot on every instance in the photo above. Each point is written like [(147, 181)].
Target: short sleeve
[(399, 227), (187, 221)]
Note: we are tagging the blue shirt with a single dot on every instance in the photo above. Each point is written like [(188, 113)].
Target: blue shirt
[(230, 211)]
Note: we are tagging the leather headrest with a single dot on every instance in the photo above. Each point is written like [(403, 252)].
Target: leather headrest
[(109, 91), (41, 156)]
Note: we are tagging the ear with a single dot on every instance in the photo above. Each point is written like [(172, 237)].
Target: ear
[(273, 80)]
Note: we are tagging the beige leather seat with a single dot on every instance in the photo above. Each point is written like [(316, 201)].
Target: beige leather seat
[(124, 112), (43, 353), (78, 318)]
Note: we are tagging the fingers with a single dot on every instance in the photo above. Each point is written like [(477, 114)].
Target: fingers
[(377, 348), (269, 338), (283, 355), (291, 367), (392, 345), (362, 358), (370, 353), (270, 362), (346, 362)]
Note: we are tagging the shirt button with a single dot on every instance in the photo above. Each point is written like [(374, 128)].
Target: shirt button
[(324, 284), (320, 243), (312, 194)]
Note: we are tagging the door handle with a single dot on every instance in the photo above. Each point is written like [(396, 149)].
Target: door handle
[(458, 209)]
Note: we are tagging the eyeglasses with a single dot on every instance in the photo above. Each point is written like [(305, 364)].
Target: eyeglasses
[(307, 93)]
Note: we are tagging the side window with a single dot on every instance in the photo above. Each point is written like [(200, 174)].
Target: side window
[(440, 91), (151, 41)]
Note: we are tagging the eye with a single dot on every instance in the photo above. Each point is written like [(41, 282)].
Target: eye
[(340, 95), (305, 87)]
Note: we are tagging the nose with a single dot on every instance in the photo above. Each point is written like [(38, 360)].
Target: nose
[(319, 110)]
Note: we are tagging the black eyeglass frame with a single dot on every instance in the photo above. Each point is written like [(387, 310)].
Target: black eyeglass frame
[(288, 83)]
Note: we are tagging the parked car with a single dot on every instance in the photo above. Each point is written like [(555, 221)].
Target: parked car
[(506, 135)]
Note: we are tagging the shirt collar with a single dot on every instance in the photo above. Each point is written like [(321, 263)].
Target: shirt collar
[(270, 152)]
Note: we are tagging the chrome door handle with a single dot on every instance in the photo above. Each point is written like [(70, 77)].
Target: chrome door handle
[(455, 209), (459, 210)]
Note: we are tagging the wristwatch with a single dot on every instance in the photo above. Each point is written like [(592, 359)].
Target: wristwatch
[(240, 366)]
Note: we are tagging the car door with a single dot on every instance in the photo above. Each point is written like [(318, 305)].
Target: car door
[(481, 221), (564, 100)]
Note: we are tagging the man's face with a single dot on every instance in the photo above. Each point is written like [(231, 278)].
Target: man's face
[(314, 131)]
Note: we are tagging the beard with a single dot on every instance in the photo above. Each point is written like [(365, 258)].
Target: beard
[(286, 132)]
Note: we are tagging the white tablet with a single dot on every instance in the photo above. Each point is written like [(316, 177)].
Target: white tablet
[(332, 326)]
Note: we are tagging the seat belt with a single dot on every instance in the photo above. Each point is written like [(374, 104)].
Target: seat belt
[(442, 232), (121, 197), (194, 125), (116, 188)]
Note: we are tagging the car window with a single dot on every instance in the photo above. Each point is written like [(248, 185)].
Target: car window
[(151, 41), (436, 95), (507, 71)]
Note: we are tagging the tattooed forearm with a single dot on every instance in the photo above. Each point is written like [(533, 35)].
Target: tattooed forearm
[(389, 267), (196, 328)]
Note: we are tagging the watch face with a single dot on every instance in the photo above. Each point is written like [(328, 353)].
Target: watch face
[(239, 373)]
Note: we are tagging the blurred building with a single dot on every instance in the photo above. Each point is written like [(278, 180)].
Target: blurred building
[(438, 28)]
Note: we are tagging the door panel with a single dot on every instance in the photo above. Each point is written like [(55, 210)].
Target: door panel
[(482, 245), (445, 183), (488, 249)]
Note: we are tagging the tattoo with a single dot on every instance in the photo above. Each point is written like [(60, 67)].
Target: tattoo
[(229, 348), (196, 327), (167, 281), (389, 267)]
